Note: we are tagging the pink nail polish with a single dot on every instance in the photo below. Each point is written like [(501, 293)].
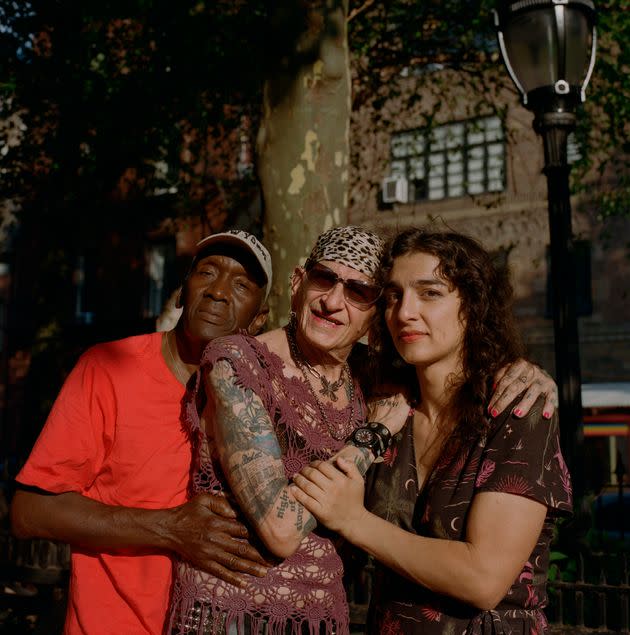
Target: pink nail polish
[(547, 415), (518, 412), (494, 412)]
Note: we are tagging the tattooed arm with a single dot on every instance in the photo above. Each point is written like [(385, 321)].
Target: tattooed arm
[(251, 459)]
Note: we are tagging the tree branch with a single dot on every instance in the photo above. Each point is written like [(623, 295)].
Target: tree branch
[(355, 12)]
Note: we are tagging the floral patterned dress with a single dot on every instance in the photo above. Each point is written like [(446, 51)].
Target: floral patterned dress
[(517, 456)]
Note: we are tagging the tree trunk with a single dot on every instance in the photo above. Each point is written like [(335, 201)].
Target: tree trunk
[(303, 141)]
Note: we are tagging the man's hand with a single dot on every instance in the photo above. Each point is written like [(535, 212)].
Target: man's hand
[(206, 532), (516, 377)]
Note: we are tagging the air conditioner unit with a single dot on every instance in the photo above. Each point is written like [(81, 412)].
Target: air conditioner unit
[(395, 189)]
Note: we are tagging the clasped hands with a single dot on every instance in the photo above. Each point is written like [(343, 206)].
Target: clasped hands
[(333, 492)]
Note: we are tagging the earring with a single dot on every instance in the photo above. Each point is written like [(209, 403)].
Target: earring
[(292, 319)]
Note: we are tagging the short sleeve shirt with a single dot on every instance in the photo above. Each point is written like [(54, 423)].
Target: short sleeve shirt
[(516, 456), (114, 435)]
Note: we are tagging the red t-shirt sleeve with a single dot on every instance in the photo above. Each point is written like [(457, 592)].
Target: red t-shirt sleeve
[(70, 450)]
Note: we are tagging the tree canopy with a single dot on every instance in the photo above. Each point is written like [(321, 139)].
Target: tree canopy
[(101, 93), (115, 115)]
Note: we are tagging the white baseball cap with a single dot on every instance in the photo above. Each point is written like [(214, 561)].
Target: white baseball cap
[(244, 239)]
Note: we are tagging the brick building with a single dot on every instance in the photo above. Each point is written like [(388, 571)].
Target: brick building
[(478, 169)]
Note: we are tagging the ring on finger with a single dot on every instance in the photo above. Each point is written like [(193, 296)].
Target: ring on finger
[(232, 562), (523, 378)]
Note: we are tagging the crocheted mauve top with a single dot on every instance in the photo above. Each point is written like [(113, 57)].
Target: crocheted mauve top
[(303, 594)]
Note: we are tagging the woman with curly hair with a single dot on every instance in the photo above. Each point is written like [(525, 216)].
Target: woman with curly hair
[(460, 513)]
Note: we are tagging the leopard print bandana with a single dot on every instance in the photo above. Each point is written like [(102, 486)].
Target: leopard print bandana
[(352, 246)]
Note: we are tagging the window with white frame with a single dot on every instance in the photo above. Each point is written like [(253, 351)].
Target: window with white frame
[(455, 159)]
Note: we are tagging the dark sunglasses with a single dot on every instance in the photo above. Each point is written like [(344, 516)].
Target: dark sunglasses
[(358, 293)]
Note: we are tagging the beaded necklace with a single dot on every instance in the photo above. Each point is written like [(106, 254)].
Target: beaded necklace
[(302, 363)]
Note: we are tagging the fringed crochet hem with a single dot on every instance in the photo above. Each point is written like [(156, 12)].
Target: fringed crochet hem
[(191, 617)]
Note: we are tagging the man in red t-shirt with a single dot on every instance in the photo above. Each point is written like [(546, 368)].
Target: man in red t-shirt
[(109, 471)]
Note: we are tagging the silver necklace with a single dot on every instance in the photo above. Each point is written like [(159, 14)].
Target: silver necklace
[(176, 368), (302, 363), (329, 388)]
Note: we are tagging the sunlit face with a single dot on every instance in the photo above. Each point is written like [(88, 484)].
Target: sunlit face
[(423, 313), (219, 297), (326, 319)]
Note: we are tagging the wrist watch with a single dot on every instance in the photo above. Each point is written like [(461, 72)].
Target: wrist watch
[(374, 436)]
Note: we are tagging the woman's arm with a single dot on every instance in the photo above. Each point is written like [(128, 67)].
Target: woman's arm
[(251, 459), (502, 531)]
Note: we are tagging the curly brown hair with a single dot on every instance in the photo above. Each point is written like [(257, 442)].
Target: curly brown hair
[(491, 339)]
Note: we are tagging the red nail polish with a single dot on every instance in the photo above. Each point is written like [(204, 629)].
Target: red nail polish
[(547, 415), (518, 412), (494, 412)]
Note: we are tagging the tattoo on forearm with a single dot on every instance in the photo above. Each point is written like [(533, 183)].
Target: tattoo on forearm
[(301, 525), (256, 489), (391, 402), (251, 453), (309, 525), (248, 458), (286, 504), (299, 521), (363, 461)]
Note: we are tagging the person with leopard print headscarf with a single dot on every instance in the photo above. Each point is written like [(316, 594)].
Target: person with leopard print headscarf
[(262, 408)]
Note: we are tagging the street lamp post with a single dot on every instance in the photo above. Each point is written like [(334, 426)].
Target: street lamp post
[(548, 47)]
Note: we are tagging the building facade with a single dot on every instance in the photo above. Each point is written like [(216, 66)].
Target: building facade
[(473, 163)]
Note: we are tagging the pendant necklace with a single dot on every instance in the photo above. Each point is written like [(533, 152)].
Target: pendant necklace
[(328, 388)]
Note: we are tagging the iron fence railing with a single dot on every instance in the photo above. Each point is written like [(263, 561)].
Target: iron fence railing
[(33, 581), (597, 601)]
